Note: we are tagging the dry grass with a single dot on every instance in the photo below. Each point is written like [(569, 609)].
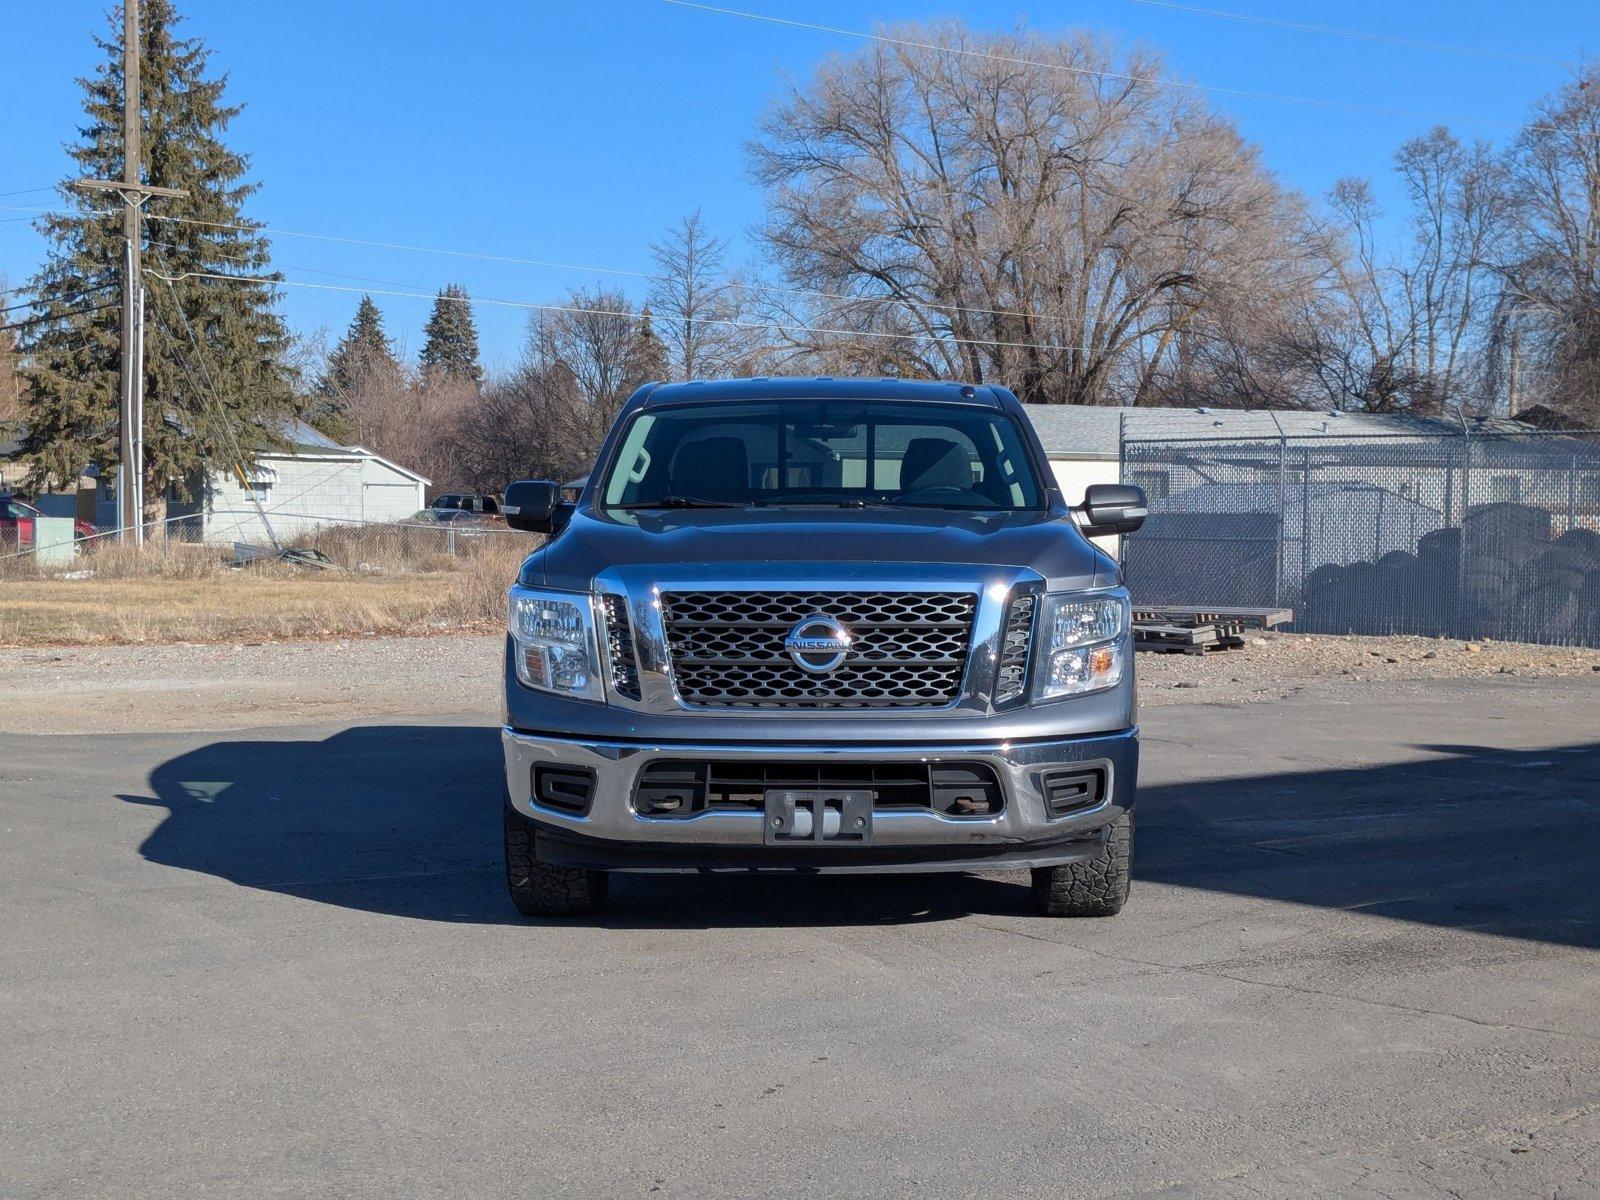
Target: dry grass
[(392, 581)]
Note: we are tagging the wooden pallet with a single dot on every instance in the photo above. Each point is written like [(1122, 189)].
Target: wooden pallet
[(1194, 629), (1198, 638), (1194, 614)]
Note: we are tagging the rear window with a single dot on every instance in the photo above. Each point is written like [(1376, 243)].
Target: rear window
[(813, 452)]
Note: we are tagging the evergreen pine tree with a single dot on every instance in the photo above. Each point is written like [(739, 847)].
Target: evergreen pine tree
[(365, 349), (73, 357), (10, 376), (647, 356), (450, 345)]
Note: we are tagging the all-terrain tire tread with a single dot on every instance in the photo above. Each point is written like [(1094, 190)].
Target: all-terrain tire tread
[(541, 889), (1097, 888)]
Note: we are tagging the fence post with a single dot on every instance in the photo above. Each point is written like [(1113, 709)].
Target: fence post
[(1572, 495), (1277, 566), (1122, 477), (1305, 523), (1462, 628)]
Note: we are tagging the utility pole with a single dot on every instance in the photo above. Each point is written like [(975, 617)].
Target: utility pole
[(130, 426)]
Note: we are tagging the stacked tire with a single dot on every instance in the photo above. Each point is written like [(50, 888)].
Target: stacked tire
[(1516, 583), (1558, 597)]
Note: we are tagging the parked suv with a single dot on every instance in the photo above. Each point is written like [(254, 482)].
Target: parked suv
[(467, 502), (820, 625)]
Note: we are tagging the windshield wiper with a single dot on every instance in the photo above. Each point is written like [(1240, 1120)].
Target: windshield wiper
[(688, 502), (852, 502), (855, 502)]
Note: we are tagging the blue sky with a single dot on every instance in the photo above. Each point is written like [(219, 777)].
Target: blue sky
[(577, 131)]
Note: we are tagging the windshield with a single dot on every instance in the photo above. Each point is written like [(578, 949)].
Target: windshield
[(823, 453)]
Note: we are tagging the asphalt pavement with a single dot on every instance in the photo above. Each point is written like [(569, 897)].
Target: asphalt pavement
[(1362, 957)]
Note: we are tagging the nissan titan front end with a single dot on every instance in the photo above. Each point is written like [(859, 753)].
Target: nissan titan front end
[(820, 625)]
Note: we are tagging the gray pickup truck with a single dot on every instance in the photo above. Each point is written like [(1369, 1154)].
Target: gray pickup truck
[(820, 625)]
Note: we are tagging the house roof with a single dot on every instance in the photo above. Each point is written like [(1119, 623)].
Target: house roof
[(299, 433), (1094, 432), (390, 463), (306, 441)]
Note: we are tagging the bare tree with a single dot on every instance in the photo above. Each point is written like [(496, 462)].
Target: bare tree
[(1404, 328), (582, 360), (520, 429), (700, 309), (1034, 211), (411, 418), (1354, 339), (1553, 274), (1458, 199), (599, 340)]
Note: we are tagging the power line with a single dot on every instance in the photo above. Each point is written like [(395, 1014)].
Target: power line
[(222, 415), (485, 256), (240, 258), (99, 287), (844, 297), (1144, 80), (376, 245), (1356, 34), (71, 312), (70, 346), (628, 314), (34, 208), (29, 191)]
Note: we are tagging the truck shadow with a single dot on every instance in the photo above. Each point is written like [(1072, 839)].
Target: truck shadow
[(405, 820)]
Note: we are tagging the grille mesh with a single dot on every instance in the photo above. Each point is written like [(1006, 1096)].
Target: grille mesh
[(619, 646), (910, 648), (1014, 651)]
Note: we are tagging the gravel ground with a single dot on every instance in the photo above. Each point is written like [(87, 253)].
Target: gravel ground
[(1274, 665), (233, 686)]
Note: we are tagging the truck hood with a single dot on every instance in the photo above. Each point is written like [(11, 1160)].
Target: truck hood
[(1045, 542)]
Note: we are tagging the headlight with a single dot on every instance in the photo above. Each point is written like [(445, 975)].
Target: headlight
[(553, 634), (1083, 643)]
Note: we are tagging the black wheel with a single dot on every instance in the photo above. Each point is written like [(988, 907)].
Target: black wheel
[(1097, 888), (541, 889)]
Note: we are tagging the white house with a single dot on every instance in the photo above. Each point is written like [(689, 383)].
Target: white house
[(313, 483)]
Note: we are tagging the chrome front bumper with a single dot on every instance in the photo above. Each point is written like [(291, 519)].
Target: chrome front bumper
[(1018, 765)]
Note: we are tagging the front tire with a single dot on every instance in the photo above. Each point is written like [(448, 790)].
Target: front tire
[(1097, 888), (540, 889)]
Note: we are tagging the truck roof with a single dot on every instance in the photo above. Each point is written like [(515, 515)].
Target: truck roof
[(816, 388)]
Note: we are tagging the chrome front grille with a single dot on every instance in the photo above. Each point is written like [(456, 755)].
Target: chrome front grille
[(619, 647), (909, 649), (1015, 642)]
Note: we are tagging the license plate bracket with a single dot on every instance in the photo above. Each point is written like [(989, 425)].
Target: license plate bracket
[(817, 817)]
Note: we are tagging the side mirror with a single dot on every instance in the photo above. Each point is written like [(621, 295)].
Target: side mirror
[(530, 505), (1113, 508)]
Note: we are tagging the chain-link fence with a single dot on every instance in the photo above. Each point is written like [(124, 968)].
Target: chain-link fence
[(1467, 535)]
